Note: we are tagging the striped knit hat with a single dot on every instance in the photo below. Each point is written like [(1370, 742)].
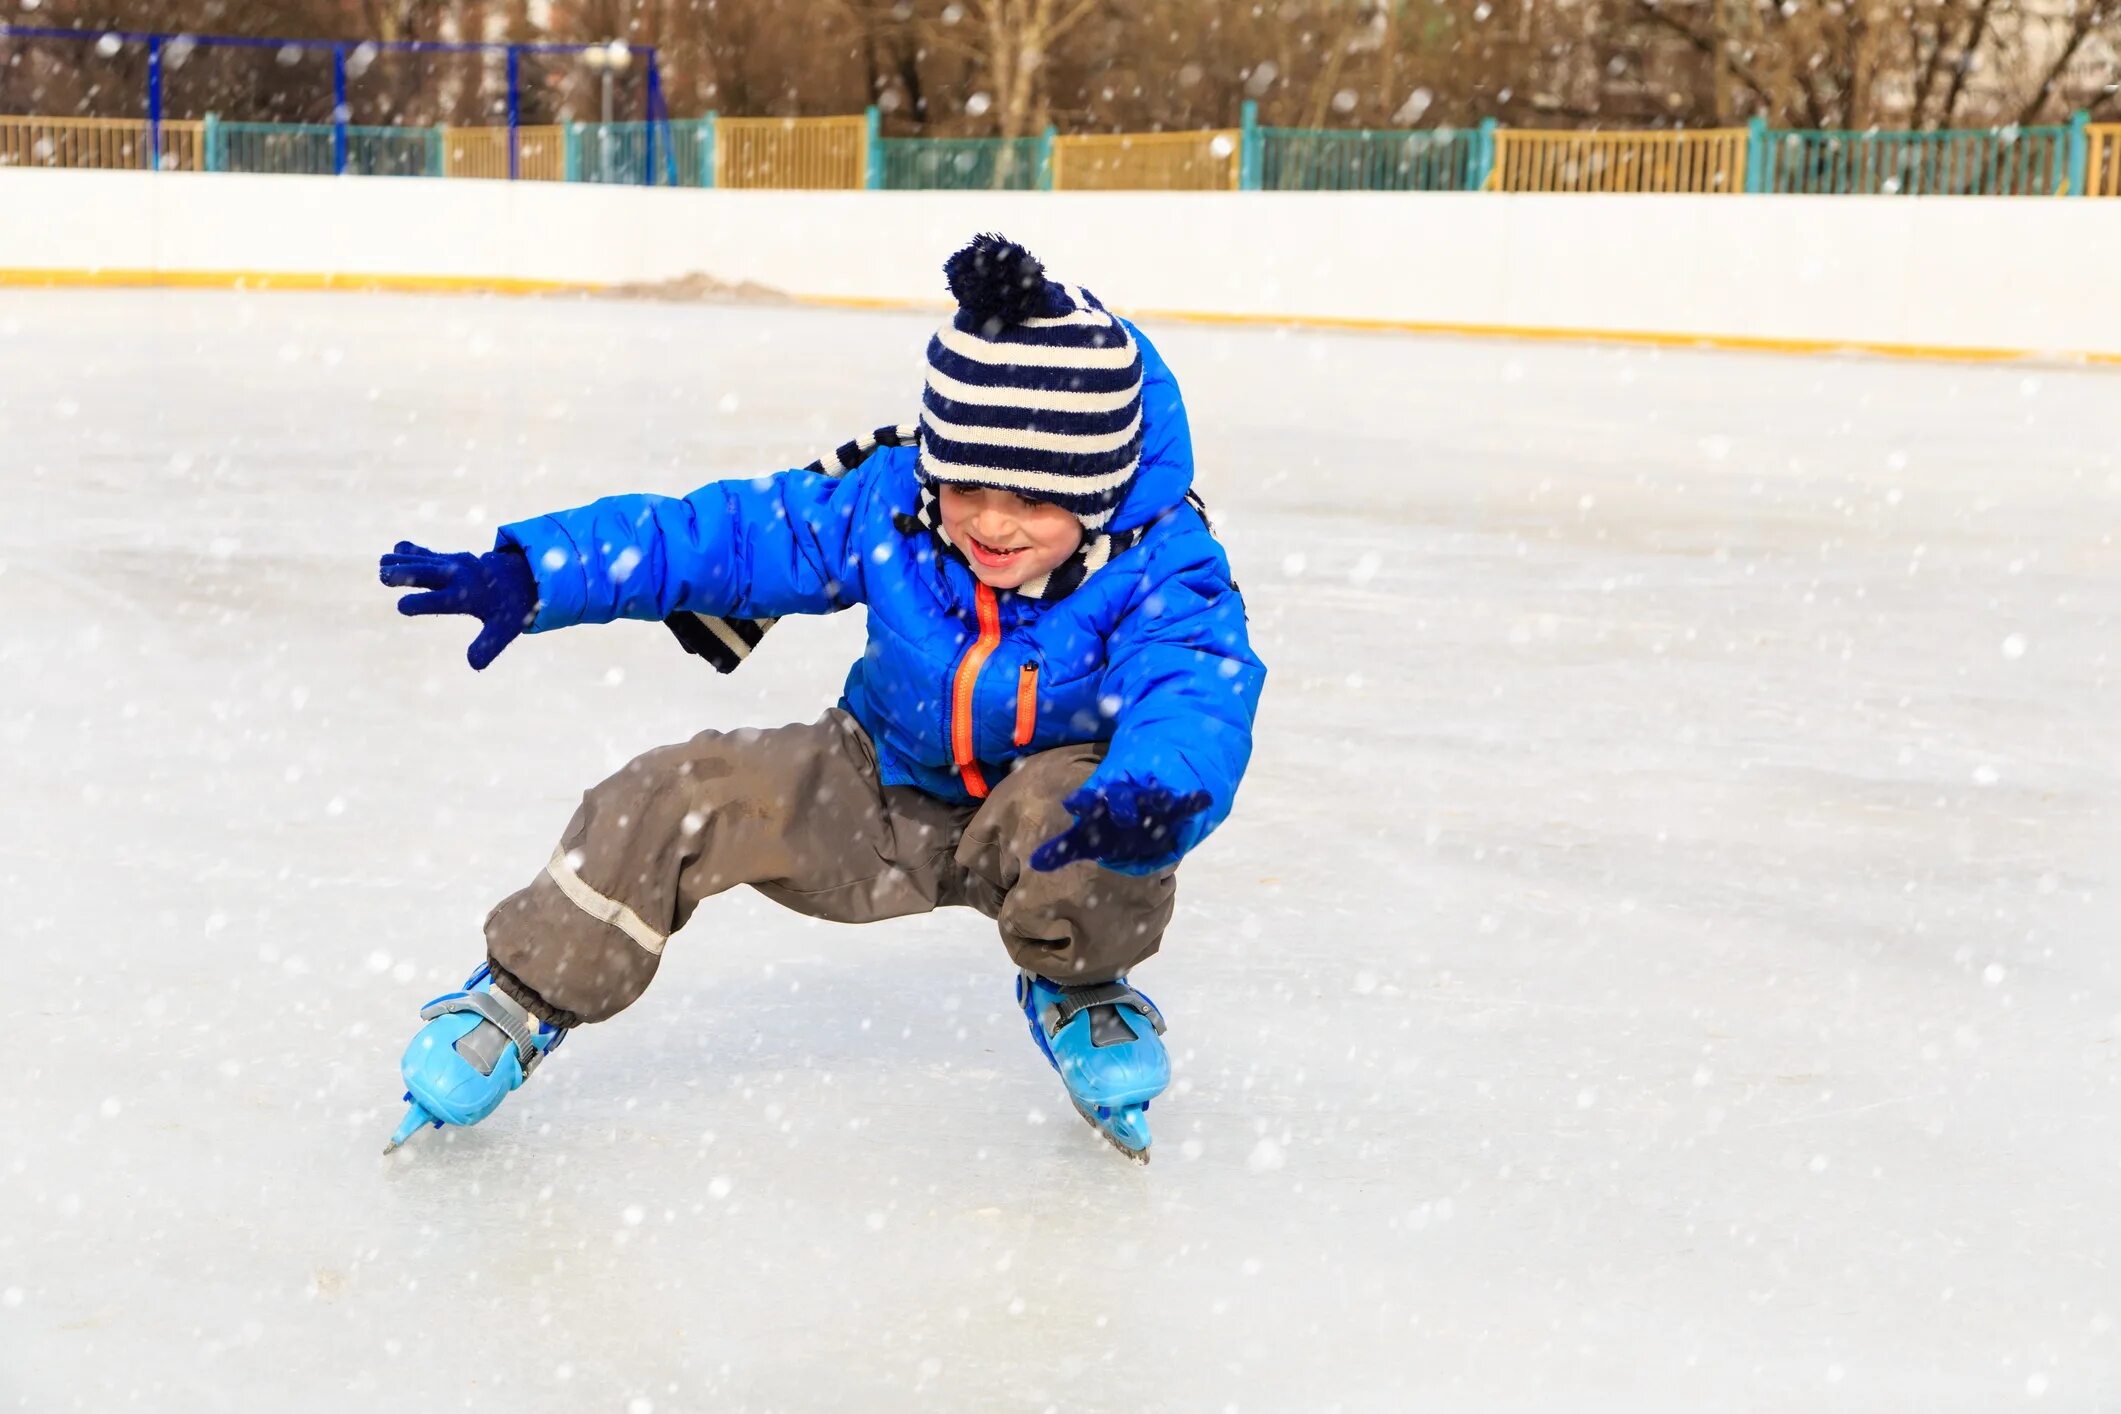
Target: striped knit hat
[(1032, 387)]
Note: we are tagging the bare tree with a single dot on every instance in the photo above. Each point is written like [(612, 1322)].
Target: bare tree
[(1011, 42), (1010, 66), (2086, 18)]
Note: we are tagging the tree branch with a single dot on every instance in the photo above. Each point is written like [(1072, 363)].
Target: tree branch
[(1926, 74), (2084, 20), (1716, 52), (1976, 32), (1073, 18), (937, 37)]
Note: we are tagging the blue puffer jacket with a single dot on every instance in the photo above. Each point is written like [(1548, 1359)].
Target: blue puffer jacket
[(1149, 652)]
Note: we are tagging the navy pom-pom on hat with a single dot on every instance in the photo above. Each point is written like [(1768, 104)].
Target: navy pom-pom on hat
[(1000, 283), (1033, 387)]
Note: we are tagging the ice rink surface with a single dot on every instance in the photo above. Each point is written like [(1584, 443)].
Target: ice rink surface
[(1667, 954)]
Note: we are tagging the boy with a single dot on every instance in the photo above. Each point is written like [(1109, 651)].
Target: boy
[(1055, 704)]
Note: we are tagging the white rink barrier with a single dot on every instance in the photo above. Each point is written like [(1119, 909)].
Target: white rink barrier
[(1947, 277)]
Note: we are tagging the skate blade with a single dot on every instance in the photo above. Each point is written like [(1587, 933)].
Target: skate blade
[(416, 1118), (1139, 1156)]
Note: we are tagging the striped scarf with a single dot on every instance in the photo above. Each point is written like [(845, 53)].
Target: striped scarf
[(726, 642)]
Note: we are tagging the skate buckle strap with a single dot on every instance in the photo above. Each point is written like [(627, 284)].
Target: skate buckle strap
[(1074, 1001), (516, 1026)]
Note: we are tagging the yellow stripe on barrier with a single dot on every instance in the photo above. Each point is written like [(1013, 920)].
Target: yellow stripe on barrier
[(791, 153), (1534, 333), (291, 280), (505, 285), (1729, 343), (1192, 161), (1530, 333)]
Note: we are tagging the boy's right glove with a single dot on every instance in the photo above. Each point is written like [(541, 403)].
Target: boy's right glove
[(1128, 826), (496, 588)]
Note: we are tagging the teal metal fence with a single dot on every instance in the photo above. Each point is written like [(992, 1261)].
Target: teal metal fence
[(1307, 159), (2032, 161), (619, 153), (964, 163), (311, 149), (394, 152), (280, 149)]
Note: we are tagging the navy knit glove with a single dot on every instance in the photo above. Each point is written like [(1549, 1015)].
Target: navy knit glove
[(1124, 825), (496, 588)]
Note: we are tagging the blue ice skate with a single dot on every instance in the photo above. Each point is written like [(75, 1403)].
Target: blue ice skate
[(1105, 1042), (477, 1045)]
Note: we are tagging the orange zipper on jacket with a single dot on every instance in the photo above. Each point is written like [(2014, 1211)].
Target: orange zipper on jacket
[(967, 678), (1026, 703)]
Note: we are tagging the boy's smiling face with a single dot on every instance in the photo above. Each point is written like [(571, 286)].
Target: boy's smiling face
[(1008, 540)]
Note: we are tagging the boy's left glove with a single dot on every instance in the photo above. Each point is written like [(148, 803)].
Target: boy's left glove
[(1129, 826)]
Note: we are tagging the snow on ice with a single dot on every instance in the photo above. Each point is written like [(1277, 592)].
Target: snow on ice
[(1663, 958)]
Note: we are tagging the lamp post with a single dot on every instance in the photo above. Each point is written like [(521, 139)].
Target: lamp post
[(608, 60)]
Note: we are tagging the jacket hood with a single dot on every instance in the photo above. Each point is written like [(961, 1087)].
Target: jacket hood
[(1166, 473)]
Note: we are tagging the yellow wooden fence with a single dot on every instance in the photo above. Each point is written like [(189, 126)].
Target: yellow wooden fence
[(1706, 160), (2102, 160), (106, 143), (1191, 161), (541, 153), (791, 152)]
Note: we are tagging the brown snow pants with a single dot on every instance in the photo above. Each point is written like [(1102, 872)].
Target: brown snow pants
[(799, 814)]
